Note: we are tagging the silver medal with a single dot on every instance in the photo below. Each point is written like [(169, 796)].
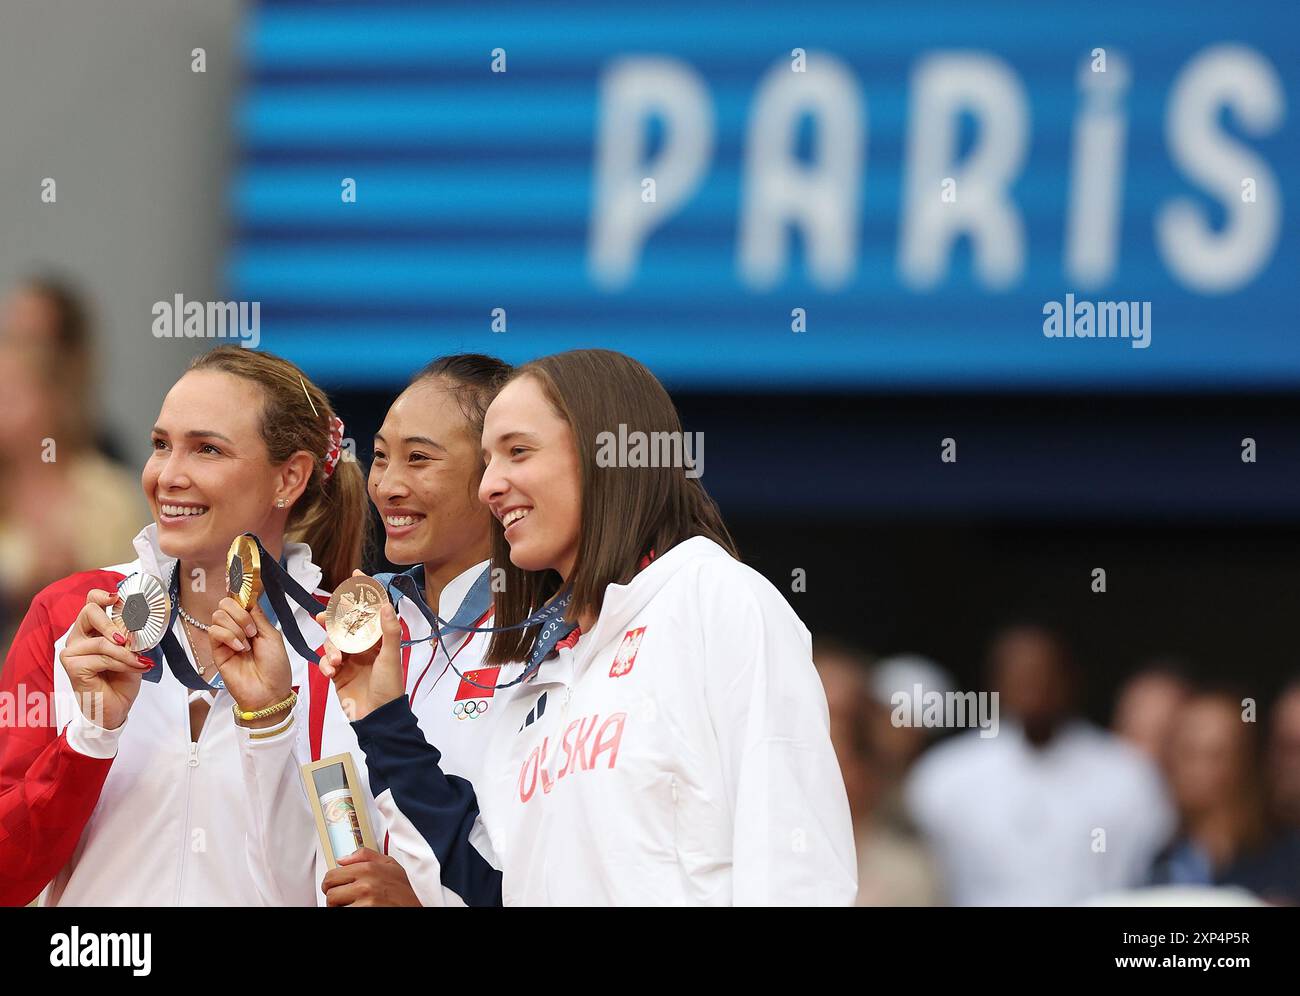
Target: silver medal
[(141, 612)]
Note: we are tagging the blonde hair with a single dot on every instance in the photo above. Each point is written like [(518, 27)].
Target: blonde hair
[(332, 515)]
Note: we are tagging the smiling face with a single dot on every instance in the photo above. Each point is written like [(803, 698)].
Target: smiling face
[(424, 478), (533, 480), (209, 477)]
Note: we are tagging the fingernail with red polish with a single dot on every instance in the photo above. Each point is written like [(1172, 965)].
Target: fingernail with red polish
[(119, 639), (144, 661)]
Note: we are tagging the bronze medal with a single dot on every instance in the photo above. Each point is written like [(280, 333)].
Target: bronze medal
[(141, 612), (352, 616), (244, 572)]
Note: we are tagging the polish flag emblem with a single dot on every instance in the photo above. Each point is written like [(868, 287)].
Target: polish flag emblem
[(626, 656)]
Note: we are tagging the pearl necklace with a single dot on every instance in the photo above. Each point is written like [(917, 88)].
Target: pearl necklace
[(180, 608), (189, 618)]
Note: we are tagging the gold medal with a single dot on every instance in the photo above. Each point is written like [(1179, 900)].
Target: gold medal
[(141, 612), (244, 572), (352, 616)]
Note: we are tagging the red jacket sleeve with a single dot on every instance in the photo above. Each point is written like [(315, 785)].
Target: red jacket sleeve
[(47, 789)]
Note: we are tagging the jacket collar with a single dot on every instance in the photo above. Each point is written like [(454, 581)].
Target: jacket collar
[(623, 601), (453, 594)]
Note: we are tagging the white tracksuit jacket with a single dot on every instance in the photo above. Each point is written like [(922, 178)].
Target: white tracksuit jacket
[(285, 852), (678, 754)]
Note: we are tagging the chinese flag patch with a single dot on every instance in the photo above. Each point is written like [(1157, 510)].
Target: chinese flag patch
[(483, 676)]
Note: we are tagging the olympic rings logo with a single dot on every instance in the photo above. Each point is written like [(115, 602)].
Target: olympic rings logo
[(470, 709)]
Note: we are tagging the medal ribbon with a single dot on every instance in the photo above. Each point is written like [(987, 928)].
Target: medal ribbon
[(278, 582), (476, 603)]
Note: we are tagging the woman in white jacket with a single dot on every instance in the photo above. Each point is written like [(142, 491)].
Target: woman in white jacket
[(670, 745)]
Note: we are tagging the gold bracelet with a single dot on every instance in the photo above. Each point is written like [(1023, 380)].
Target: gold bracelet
[(246, 716)]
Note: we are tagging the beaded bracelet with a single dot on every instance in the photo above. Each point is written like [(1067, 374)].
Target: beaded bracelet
[(287, 704)]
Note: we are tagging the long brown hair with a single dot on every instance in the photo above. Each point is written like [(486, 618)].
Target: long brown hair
[(627, 512), (329, 516)]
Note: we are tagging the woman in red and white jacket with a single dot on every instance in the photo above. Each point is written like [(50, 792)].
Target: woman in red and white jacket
[(672, 746), (118, 793)]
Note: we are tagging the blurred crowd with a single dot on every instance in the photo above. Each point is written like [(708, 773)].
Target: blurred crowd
[(1191, 797)]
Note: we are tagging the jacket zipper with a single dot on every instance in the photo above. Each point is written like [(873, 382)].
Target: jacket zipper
[(190, 765), (185, 825)]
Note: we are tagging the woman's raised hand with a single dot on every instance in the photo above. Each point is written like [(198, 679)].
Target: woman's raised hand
[(249, 653), (369, 679), (105, 675)]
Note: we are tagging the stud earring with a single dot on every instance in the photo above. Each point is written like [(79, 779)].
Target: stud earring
[(279, 503)]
